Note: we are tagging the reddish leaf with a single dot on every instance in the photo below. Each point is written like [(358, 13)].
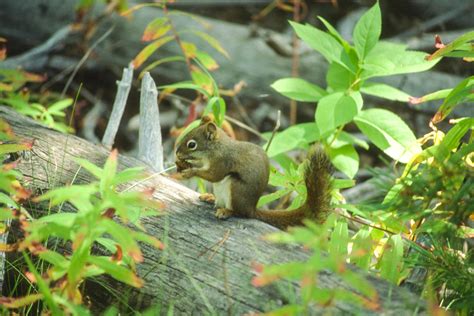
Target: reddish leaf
[(118, 255), (438, 42), (3, 48), (109, 213), (156, 29)]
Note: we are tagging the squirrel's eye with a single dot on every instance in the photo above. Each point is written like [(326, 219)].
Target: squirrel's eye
[(191, 144)]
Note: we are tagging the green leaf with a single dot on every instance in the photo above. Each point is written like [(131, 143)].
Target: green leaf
[(339, 240), (367, 31), (130, 174), (13, 148), (217, 106), (155, 64), (334, 33), (212, 41), (361, 253), (437, 95), (336, 109), (338, 77), (297, 136), (150, 49), (320, 41), (206, 60), (298, 89), (384, 91), (457, 43), (116, 271), (338, 184), (124, 238), (89, 166), (391, 264), (265, 199), (345, 158), (186, 85), (57, 107), (389, 133), (388, 59), (459, 94)]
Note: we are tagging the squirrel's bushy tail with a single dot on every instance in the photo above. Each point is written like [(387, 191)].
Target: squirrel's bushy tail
[(317, 176)]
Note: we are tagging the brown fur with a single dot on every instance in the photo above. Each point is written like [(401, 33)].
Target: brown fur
[(217, 156)]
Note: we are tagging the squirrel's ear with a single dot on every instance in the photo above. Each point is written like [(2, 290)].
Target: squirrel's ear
[(206, 119), (211, 131)]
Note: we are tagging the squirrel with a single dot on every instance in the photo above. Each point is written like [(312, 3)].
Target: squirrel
[(239, 172)]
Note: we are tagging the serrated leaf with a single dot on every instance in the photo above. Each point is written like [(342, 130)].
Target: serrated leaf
[(367, 31), (298, 89), (156, 29), (389, 133), (297, 136), (384, 91), (150, 49)]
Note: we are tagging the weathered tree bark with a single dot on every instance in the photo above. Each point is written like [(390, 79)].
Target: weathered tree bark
[(206, 267)]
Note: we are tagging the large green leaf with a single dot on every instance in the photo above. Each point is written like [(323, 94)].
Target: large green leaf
[(391, 264), (387, 59), (298, 89), (345, 158), (384, 91), (320, 41), (339, 77), (389, 133), (367, 31), (336, 109), (116, 271), (297, 136)]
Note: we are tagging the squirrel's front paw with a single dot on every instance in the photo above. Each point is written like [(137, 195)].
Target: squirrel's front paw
[(223, 213), (208, 198)]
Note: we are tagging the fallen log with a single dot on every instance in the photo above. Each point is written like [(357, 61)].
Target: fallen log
[(206, 267)]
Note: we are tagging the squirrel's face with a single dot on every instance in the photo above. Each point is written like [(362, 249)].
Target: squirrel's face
[(193, 149)]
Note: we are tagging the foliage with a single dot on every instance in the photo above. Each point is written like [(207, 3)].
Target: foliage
[(99, 203), (14, 93), (162, 31), (423, 220), (352, 72)]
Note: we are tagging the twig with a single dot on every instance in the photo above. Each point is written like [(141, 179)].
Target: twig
[(84, 58), (123, 89), (295, 60), (277, 126), (150, 147), (244, 126)]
